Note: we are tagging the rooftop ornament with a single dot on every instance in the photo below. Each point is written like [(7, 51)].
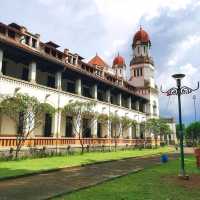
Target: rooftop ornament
[(180, 90)]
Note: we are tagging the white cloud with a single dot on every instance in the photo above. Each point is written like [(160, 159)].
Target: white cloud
[(169, 104), (122, 18), (180, 50)]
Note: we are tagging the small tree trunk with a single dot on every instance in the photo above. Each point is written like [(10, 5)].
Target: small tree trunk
[(156, 141), (82, 145)]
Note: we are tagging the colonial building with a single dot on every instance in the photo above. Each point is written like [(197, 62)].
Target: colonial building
[(28, 65)]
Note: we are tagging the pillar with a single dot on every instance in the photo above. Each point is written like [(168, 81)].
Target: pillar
[(148, 108), (145, 107), (108, 98), (29, 123), (78, 86), (76, 59), (1, 61), (129, 102), (94, 91), (137, 105), (94, 128), (109, 129), (130, 132), (30, 42), (120, 131), (32, 72), (119, 99), (58, 80), (77, 129), (138, 130), (56, 128)]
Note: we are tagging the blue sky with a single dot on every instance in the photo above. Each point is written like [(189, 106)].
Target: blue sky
[(108, 26)]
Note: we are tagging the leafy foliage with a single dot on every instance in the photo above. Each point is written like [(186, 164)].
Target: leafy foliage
[(26, 110), (193, 131), (102, 118), (79, 110)]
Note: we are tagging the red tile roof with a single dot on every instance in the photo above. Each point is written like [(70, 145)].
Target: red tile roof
[(141, 36), (119, 60), (98, 61)]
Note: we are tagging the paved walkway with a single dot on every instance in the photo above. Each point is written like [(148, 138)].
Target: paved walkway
[(46, 185)]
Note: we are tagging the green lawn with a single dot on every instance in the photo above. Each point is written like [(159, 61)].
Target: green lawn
[(14, 168), (154, 183)]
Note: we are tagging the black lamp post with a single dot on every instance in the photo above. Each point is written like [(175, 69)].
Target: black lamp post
[(195, 111), (179, 91)]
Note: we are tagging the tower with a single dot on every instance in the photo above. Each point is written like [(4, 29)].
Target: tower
[(142, 71), (119, 66)]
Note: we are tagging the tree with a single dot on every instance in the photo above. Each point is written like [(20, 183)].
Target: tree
[(164, 128), (26, 112), (126, 123), (78, 110), (158, 127), (153, 125), (193, 132)]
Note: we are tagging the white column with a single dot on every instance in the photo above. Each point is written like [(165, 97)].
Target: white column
[(145, 108), (78, 86), (109, 129), (56, 125), (108, 95), (137, 105), (94, 128), (76, 60), (1, 61), (130, 132), (119, 99), (94, 91), (138, 130), (30, 42), (148, 108), (29, 123), (77, 127), (58, 80), (129, 102), (121, 132), (32, 72)]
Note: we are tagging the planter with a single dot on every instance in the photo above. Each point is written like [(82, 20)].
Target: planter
[(197, 154)]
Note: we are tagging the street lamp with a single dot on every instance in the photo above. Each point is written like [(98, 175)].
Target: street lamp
[(179, 91)]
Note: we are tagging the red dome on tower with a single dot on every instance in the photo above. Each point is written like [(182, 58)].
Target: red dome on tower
[(141, 36), (119, 60)]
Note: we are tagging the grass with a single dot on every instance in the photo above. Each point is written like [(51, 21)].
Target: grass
[(28, 166), (154, 183)]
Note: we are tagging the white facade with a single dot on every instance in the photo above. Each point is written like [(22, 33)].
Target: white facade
[(57, 78)]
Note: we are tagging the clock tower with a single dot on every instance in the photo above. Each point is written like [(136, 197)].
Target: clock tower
[(142, 71)]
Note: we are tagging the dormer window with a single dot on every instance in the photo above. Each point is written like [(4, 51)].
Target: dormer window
[(47, 50), (11, 34), (34, 42), (27, 39)]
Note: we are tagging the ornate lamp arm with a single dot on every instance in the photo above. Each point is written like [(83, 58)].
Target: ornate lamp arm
[(171, 91), (183, 90)]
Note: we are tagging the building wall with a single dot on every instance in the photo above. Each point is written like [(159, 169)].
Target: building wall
[(8, 86), (7, 127)]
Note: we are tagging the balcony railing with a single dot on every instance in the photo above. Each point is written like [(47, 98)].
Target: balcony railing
[(48, 141)]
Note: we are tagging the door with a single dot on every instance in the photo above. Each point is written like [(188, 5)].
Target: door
[(48, 124), (68, 127)]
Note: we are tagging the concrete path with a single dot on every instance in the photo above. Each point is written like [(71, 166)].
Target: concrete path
[(47, 185)]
